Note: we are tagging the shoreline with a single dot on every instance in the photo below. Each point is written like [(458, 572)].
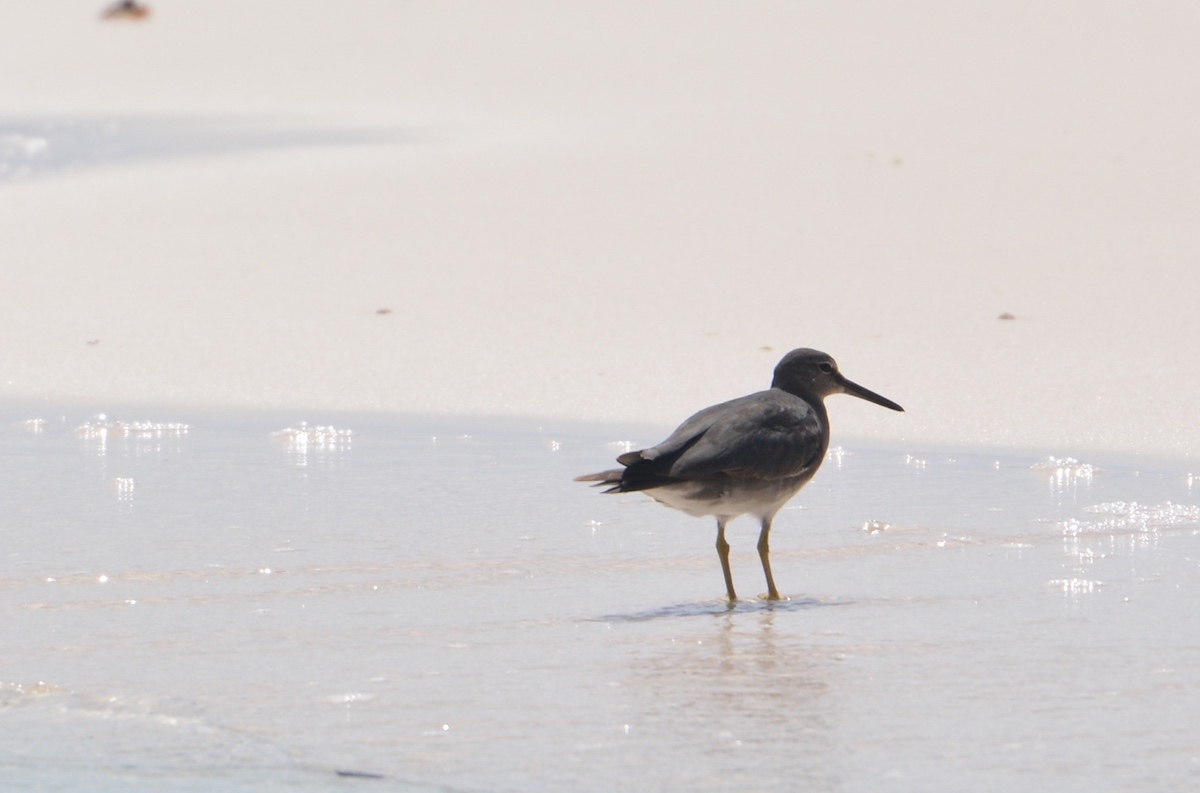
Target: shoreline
[(68, 417)]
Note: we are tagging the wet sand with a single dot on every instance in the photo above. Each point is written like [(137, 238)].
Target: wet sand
[(433, 601)]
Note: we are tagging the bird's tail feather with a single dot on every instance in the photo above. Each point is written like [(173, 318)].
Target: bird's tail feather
[(611, 478)]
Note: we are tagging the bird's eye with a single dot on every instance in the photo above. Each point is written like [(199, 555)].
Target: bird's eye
[(825, 366)]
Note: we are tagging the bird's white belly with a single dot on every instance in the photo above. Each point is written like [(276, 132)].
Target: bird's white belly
[(730, 498)]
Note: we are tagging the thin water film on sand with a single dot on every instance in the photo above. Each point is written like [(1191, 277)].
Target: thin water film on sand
[(193, 599)]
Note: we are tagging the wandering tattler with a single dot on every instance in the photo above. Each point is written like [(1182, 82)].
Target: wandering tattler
[(747, 456)]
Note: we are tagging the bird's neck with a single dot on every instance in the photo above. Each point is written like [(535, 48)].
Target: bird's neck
[(813, 401), (818, 406)]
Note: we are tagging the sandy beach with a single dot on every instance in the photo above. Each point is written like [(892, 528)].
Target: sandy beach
[(611, 211), (313, 311)]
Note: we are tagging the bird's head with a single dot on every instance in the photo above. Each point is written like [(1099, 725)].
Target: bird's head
[(814, 374)]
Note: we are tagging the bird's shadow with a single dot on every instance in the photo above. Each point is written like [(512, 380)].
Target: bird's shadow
[(719, 607)]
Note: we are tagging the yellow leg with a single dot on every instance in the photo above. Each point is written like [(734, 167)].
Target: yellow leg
[(764, 553), (723, 552)]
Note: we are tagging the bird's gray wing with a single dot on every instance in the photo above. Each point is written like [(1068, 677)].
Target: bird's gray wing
[(768, 435), (684, 435)]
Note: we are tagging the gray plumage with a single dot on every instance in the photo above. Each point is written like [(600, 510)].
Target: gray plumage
[(747, 456)]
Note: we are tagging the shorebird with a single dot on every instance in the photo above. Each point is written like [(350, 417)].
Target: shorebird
[(748, 456)]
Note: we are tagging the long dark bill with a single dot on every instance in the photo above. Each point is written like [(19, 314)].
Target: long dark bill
[(854, 389)]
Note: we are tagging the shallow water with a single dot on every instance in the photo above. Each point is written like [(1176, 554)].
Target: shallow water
[(433, 604)]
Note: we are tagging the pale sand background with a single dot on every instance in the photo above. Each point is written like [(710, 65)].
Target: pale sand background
[(607, 210)]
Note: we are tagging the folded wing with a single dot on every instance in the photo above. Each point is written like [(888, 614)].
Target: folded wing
[(769, 435)]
